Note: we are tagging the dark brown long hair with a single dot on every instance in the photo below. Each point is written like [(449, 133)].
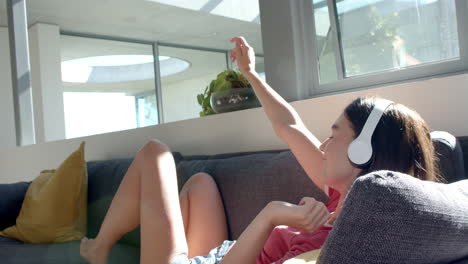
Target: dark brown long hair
[(401, 141)]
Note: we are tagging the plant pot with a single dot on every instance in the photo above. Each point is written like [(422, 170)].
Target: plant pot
[(234, 99)]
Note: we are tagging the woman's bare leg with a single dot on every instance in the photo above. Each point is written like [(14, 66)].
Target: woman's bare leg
[(162, 227), (148, 196), (203, 213), (199, 196), (122, 216)]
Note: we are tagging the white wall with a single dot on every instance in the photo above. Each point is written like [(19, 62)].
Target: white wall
[(7, 114), (442, 102)]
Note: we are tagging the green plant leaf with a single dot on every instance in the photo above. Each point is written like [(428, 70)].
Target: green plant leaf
[(206, 102), (236, 75), (210, 111), (200, 99), (212, 84)]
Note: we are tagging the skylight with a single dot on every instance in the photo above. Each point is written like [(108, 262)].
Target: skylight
[(245, 10), (115, 60)]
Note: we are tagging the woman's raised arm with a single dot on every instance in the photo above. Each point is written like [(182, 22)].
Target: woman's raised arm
[(285, 121)]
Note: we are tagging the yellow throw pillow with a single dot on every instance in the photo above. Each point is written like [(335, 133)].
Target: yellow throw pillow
[(305, 258), (55, 204)]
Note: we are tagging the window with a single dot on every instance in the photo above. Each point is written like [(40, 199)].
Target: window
[(363, 43), (108, 85), (179, 92)]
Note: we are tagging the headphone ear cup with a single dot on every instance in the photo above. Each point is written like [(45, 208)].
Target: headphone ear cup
[(368, 163), (359, 152)]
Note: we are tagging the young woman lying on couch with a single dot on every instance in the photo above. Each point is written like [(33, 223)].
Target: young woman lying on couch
[(371, 134)]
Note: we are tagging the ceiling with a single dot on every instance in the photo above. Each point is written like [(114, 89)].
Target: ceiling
[(139, 20)]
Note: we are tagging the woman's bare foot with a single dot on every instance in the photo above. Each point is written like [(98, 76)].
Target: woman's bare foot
[(91, 252)]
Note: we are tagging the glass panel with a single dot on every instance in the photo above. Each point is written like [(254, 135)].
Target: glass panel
[(196, 69), (382, 35), (147, 110), (324, 42), (108, 85)]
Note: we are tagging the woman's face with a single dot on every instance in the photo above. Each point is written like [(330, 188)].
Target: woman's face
[(337, 169)]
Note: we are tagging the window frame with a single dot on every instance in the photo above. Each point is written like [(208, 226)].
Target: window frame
[(305, 12)]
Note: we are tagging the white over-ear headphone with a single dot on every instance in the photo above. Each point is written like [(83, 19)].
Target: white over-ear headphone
[(360, 150)]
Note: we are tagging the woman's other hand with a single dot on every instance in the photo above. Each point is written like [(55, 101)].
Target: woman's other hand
[(309, 215), (244, 54)]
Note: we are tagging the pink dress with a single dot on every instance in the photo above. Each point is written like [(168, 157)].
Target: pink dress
[(287, 242)]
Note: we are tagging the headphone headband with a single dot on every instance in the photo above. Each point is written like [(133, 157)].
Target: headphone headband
[(360, 150), (374, 118)]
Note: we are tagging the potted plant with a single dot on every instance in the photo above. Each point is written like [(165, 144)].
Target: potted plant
[(230, 91)]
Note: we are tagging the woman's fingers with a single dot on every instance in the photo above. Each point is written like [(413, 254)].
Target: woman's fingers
[(316, 213), (302, 202), (236, 52), (307, 200), (322, 217), (232, 56), (242, 43), (241, 40), (243, 54)]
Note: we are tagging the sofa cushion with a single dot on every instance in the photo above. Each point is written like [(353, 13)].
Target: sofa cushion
[(54, 208), (11, 201), (450, 156), (17, 252), (392, 217), (248, 182)]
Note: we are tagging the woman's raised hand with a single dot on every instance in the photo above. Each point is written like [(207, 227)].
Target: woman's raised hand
[(309, 215), (244, 54)]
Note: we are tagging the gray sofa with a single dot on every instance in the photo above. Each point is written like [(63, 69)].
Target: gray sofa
[(248, 181)]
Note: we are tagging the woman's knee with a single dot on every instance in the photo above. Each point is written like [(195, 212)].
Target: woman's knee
[(200, 180), (153, 148)]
